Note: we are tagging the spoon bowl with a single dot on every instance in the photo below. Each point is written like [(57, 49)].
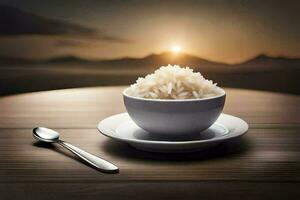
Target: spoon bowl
[(45, 134)]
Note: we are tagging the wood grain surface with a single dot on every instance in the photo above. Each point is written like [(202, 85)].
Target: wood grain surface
[(264, 164)]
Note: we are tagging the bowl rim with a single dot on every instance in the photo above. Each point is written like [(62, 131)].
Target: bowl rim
[(173, 100)]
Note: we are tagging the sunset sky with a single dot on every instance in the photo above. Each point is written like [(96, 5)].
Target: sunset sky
[(227, 31)]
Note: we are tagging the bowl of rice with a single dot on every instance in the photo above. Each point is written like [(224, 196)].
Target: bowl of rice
[(174, 102)]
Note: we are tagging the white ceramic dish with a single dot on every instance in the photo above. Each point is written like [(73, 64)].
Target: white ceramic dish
[(121, 127), (174, 117)]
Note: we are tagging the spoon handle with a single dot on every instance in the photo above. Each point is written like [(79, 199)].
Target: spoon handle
[(91, 159)]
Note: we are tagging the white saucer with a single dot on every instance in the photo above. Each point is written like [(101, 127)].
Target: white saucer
[(122, 128)]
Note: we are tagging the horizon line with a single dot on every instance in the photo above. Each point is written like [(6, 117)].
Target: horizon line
[(157, 54)]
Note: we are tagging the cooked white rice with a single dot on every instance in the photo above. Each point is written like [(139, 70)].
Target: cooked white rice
[(174, 82)]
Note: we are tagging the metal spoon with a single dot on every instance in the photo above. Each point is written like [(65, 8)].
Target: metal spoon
[(49, 135)]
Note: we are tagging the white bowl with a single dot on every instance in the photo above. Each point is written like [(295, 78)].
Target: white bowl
[(174, 118)]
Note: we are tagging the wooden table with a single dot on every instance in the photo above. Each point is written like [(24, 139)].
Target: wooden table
[(264, 164)]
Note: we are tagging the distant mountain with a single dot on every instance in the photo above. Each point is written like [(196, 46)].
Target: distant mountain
[(260, 63), (149, 62), (66, 59), (261, 72), (266, 63), (152, 61)]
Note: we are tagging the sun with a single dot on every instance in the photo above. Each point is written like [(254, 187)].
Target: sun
[(176, 49)]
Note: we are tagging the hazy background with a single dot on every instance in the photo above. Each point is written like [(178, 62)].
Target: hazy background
[(61, 44)]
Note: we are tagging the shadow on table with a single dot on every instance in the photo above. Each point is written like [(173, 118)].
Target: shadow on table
[(124, 151), (57, 148), (226, 149)]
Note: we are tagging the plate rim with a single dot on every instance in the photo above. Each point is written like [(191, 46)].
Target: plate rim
[(218, 139)]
